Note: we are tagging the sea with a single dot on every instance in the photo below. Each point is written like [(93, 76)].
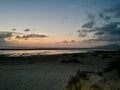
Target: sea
[(17, 53)]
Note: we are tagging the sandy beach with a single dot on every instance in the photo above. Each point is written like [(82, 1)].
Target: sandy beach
[(52, 72), (59, 44)]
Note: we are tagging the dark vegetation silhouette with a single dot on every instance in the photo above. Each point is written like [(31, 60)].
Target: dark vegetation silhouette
[(75, 81)]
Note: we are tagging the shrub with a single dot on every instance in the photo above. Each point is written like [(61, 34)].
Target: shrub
[(75, 82)]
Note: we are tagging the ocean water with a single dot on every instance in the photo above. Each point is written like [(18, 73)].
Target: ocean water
[(38, 52)]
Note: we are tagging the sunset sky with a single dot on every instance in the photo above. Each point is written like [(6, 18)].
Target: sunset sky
[(59, 23)]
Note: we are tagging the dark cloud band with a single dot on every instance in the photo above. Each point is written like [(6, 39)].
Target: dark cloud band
[(28, 36)]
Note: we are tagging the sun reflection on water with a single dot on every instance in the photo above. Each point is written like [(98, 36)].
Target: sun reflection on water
[(37, 52)]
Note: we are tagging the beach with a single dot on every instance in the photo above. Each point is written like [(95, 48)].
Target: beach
[(52, 72), (59, 44)]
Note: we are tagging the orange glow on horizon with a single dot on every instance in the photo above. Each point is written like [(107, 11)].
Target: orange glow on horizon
[(39, 42)]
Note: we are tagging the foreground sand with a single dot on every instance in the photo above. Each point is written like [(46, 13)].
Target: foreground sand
[(53, 72)]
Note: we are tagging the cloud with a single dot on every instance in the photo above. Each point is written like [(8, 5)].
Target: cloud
[(8, 39), (72, 41), (65, 41), (3, 36), (3, 43), (104, 17), (90, 21), (85, 28), (26, 30), (111, 28), (110, 13), (114, 10), (29, 36), (90, 16), (108, 31), (14, 29), (104, 39), (89, 24), (82, 32)]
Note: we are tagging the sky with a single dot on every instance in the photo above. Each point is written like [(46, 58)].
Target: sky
[(59, 23)]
